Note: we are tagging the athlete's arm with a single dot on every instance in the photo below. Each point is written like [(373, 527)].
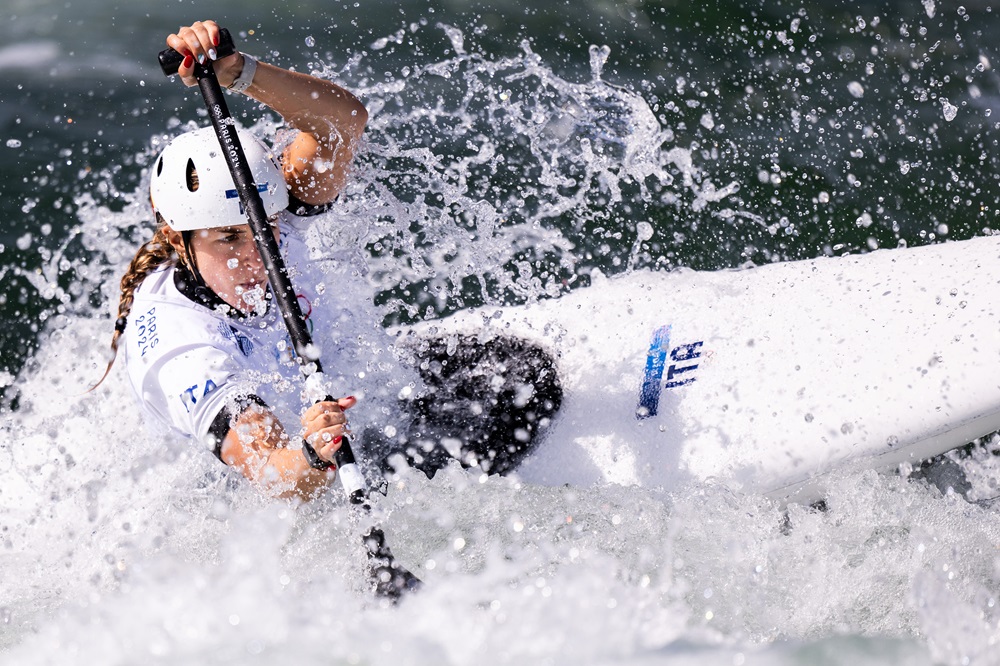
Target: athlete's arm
[(256, 445), (330, 119)]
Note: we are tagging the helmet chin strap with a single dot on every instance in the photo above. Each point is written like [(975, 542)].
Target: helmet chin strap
[(198, 288), (192, 264)]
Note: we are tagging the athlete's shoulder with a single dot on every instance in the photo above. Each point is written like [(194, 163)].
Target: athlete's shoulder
[(164, 322)]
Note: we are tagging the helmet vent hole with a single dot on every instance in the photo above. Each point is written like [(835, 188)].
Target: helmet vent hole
[(159, 166), (192, 176)]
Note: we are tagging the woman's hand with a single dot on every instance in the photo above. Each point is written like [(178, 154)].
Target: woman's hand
[(197, 43), (325, 424), (329, 118)]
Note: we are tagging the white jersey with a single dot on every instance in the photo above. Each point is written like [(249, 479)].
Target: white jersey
[(186, 361)]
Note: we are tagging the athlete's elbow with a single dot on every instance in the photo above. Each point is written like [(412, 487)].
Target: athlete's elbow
[(353, 125)]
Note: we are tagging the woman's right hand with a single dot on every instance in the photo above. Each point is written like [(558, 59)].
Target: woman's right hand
[(197, 42), (325, 424)]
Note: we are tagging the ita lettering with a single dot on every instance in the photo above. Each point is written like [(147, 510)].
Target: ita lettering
[(685, 362), (191, 395)]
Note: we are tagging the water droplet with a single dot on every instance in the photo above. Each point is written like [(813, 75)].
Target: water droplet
[(233, 263), (598, 57), (950, 110), (310, 41), (13, 143)]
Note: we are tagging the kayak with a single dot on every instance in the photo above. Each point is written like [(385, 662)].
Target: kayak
[(764, 379)]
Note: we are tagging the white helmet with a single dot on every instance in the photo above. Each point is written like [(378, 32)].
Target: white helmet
[(191, 187)]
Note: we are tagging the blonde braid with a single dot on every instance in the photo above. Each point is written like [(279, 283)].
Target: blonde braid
[(153, 254)]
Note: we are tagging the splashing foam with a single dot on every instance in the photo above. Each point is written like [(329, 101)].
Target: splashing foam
[(477, 173), (480, 177)]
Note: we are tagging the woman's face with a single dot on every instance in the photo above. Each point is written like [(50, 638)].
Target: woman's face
[(230, 265)]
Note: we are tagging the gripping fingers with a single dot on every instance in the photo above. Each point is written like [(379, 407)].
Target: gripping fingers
[(196, 42), (327, 407), (330, 419), (327, 449), (325, 425), (199, 40), (320, 436), (326, 433)]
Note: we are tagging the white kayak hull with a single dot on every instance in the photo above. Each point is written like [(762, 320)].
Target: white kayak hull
[(765, 379)]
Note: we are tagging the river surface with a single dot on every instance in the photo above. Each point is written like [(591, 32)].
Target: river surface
[(512, 154)]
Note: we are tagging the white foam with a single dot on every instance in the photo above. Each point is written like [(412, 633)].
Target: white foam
[(121, 546)]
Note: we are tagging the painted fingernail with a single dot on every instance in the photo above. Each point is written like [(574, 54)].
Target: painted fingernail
[(337, 440), (212, 54), (188, 61), (215, 40), (201, 59)]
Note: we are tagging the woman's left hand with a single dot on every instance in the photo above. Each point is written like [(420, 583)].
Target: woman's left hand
[(325, 425), (330, 119)]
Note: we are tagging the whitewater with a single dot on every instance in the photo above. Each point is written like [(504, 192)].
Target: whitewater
[(483, 181)]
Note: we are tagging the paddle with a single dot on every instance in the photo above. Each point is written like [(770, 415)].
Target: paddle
[(391, 580)]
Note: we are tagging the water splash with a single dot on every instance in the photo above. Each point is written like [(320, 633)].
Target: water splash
[(483, 178)]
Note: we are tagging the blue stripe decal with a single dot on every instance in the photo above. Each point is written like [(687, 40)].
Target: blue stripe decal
[(649, 398), (235, 194)]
